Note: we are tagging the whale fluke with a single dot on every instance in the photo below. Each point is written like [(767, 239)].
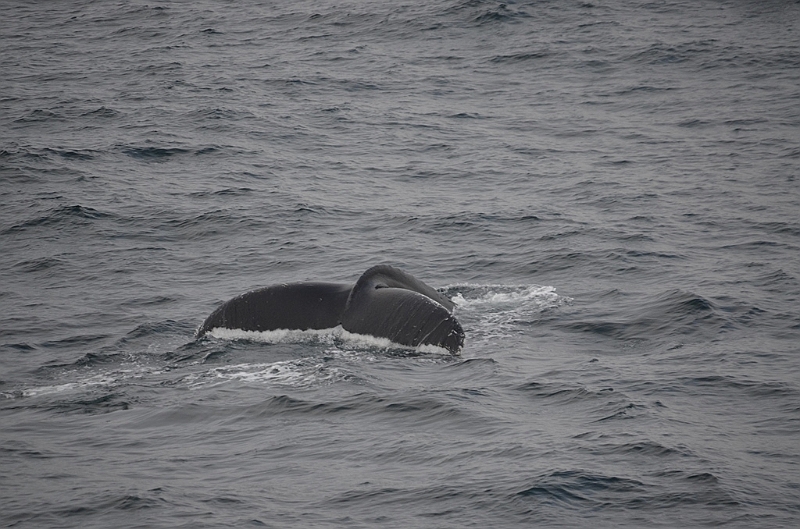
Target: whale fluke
[(301, 306), (385, 302)]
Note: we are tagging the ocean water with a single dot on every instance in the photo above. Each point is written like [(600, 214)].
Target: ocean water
[(607, 190)]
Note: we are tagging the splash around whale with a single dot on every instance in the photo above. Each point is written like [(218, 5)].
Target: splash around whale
[(385, 302)]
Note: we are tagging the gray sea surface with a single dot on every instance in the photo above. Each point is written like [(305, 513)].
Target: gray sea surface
[(607, 190)]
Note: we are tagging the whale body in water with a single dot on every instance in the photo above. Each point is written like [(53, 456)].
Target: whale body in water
[(385, 302)]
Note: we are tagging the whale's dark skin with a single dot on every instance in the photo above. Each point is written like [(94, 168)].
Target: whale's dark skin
[(385, 302)]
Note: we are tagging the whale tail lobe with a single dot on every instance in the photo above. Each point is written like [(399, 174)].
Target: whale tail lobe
[(390, 303)]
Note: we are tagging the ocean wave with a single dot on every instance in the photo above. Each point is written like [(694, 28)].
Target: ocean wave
[(671, 313), (154, 153), (645, 448), (560, 394), (419, 409), (736, 385), (68, 214), (602, 492)]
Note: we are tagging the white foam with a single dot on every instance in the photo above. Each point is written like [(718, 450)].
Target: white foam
[(296, 373), (542, 297), (492, 312), (325, 336), (367, 340), (276, 336), (105, 379), (303, 372), (61, 388)]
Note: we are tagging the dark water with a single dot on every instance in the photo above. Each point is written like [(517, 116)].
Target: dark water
[(609, 191)]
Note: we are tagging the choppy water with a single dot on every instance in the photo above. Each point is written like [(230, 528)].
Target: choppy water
[(608, 190)]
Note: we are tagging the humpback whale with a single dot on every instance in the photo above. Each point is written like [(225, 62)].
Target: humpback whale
[(385, 302)]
